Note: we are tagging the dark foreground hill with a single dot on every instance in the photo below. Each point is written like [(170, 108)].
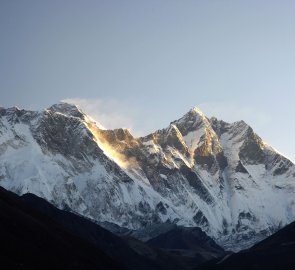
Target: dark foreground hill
[(274, 253), (36, 235), (32, 240)]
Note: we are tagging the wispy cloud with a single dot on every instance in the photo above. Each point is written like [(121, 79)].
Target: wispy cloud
[(110, 113)]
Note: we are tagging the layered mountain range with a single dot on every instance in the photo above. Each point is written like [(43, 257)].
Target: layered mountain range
[(36, 235), (197, 172)]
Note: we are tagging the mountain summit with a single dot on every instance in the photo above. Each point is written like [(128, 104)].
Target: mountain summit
[(197, 172)]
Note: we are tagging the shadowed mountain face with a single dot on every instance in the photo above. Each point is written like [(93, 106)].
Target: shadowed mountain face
[(275, 252), (197, 172), (37, 235), (184, 238), (31, 240), (187, 241)]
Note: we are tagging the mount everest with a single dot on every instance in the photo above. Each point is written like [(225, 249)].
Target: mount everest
[(197, 172)]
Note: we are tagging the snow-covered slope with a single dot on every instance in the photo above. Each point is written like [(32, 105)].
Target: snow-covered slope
[(197, 172)]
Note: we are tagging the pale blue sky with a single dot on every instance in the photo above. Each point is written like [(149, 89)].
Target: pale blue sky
[(141, 64)]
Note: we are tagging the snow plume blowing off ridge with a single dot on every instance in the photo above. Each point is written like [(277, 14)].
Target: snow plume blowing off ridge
[(109, 113), (110, 151)]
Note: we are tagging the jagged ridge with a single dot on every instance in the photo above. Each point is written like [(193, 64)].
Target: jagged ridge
[(197, 172)]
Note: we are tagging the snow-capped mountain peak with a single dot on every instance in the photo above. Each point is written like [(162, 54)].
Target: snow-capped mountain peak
[(67, 109), (196, 172)]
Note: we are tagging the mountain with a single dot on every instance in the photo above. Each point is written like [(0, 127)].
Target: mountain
[(188, 242), (35, 234), (275, 252), (32, 240), (197, 172)]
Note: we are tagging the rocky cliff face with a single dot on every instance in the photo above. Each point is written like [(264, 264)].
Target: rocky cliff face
[(199, 172)]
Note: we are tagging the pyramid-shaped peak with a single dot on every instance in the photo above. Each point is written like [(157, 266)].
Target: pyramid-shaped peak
[(67, 109), (196, 110), (191, 121), (194, 115)]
